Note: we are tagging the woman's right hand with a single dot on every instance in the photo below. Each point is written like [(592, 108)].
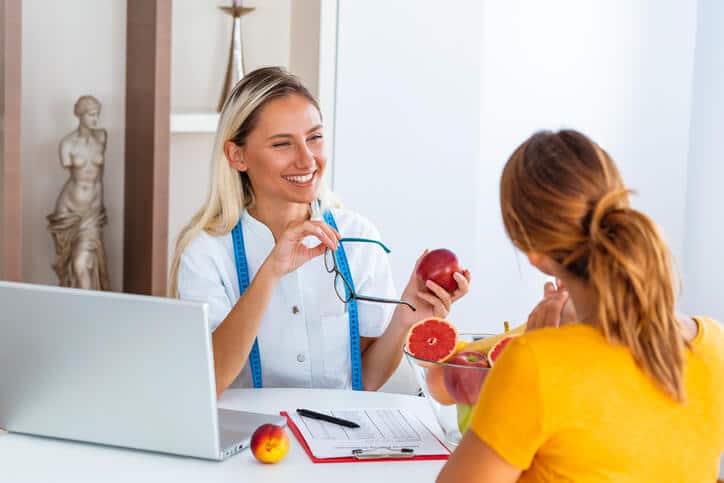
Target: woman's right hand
[(290, 252)]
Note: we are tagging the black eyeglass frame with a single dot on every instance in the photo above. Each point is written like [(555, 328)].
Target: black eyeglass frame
[(350, 293)]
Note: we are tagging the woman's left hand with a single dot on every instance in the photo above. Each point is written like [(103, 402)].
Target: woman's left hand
[(430, 299), (554, 310)]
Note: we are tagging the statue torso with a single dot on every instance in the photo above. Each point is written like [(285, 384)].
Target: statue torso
[(84, 189)]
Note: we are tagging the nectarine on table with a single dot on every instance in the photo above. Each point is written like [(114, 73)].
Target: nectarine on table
[(269, 443)]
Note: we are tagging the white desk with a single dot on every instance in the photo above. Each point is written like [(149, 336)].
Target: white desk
[(34, 459)]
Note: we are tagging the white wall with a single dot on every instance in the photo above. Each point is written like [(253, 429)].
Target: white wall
[(408, 123), (304, 41), (704, 234), (432, 104), (618, 71), (704, 258), (70, 48)]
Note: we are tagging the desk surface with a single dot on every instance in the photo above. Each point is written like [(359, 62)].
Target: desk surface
[(34, 459)]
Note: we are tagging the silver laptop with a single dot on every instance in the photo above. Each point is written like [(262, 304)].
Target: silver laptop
[(115, 369)]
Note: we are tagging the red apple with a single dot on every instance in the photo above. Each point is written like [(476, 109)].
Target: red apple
[(269, 443), (439, 266), (464, 383)]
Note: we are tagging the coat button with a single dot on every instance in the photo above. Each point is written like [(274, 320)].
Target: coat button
[(301, 357), (295, 310)]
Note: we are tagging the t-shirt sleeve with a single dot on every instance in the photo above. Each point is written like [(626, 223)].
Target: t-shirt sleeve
[(509, 415), (199, 280), (374, 317)]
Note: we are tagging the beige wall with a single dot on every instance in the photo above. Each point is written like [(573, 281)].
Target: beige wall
[(201, 38), (70, 48), (304, 42), (2, 115)]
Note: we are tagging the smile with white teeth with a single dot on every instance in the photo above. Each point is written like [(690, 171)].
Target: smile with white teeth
[(300, 179)]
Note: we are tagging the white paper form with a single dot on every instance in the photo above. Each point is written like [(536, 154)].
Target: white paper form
[(386, 429)]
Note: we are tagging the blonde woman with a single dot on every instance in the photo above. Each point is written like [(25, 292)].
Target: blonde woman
[(299, 290), (629, 392)]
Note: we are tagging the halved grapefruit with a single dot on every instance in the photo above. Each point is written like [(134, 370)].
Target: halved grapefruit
[(497, 349), (432, 339)]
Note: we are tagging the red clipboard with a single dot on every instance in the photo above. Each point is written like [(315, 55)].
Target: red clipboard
[(350, 459)]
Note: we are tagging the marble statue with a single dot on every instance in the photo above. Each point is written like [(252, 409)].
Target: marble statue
[(77, 223)]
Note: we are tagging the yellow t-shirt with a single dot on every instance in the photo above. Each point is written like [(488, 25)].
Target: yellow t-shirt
[(565, 405)]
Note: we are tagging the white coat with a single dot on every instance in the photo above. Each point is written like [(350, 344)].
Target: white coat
[(304, 333)]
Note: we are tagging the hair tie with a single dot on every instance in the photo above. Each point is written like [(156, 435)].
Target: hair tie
[(608, 203)]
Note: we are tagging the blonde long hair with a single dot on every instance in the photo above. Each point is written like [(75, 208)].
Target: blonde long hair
[(562, 195), (231, 192)]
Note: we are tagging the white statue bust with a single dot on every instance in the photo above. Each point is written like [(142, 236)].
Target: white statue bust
[(77, 222)]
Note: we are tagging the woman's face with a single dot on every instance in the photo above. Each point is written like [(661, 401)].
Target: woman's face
[(284, 154)]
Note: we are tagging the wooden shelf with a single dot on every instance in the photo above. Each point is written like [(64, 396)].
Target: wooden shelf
[(194, 122)]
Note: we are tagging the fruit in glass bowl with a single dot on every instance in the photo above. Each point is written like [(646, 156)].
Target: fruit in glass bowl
[(452, 387), (463, 385), (432, 339), (452, 382)]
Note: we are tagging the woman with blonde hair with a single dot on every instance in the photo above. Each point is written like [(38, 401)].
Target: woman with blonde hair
[(299, 290), (626, 392)]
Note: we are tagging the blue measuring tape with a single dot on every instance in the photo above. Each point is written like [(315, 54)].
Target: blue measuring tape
[(352, 311), (242, 273)]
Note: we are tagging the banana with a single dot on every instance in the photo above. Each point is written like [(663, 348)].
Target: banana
[(484, 345)]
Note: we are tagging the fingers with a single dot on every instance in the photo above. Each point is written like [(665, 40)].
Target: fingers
[(315, 251), (440, 293), (549, 288), (463, 281), (548, 312), (440, 299), (332, 234), (327, 235), (568, 313), (533, 321), (438, 307), (559, 284), (552, 311)]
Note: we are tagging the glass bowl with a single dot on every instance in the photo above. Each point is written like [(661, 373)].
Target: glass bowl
[(451, 388)]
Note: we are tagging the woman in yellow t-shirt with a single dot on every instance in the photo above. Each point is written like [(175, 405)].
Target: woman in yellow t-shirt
[(630, 392)]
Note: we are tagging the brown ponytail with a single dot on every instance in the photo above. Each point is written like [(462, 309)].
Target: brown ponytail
[(562, 195)]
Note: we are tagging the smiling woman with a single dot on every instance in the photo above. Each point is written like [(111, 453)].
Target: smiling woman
[(282, 156), (253, 254)]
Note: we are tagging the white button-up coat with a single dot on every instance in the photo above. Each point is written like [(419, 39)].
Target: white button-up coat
[(304, 335)]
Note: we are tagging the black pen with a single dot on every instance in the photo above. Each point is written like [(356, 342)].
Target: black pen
[(325, 417)]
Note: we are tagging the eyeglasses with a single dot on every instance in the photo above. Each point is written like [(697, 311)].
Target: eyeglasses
[(343, 287)]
